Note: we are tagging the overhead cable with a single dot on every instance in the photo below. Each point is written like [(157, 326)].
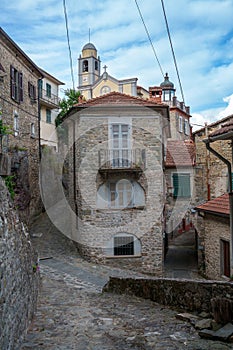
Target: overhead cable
[(149, 37), (68, 42), (173, 53)]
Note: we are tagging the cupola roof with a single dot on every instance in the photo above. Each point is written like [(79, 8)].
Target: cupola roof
[(89, 46), (167, 83)]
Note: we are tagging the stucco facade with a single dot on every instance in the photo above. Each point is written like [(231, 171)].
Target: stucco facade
[(117, 155), (49, 109)]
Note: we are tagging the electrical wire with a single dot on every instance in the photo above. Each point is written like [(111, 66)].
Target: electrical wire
[(173, 53), (149, 37), (68, 42)]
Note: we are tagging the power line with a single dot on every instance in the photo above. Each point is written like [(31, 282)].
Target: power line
[(149, 37), (68, 41), (173, 53)]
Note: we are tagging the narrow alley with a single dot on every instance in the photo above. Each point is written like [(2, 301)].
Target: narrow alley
[(73, 313)]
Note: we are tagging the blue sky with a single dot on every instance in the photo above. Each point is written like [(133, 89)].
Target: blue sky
[(201, 31)]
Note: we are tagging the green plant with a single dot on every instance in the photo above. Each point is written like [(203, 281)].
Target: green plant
[(4, 129), (10, 184)]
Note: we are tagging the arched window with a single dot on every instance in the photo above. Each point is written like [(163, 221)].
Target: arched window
[(123, 244), (96, 65), (119, 194), (85, 66)]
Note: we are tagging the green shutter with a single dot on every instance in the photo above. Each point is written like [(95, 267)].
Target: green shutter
[(181, 185)]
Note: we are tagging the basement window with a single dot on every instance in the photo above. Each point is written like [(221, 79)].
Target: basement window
[(123, 244)]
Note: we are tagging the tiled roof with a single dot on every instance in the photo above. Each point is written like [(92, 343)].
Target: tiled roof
[(214, 124), (117, 98), (180, 153), (226, 128), (219, 205)]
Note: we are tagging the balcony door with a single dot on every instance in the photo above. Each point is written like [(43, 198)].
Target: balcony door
[(120, 146)]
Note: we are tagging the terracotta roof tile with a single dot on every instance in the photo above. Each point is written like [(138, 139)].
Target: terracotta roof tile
[(180, 153), (118, 98), (227, 127), (219, 205)]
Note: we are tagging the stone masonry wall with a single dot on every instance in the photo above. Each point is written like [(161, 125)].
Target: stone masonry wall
[(215, 229), (27, 112), (20, 279), (182, 294), (97, 227), (210, 171)]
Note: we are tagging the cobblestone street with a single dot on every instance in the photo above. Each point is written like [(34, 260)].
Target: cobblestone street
[(73, 313)]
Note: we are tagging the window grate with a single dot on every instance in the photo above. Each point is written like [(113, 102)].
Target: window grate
[(123, 245)]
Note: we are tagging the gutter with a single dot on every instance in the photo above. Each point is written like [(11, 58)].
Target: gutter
[(207, 143)]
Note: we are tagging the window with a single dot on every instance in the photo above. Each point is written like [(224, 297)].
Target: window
[(16, 124), (16, 84), (186, 127), (181, 185), (48, 116), (120, 194), (32, 129), (180, 124), (105, 90), (96, 65), (124, 245), (85, 66), (48, 90), (31, 91), (120, 140), (225, 257)]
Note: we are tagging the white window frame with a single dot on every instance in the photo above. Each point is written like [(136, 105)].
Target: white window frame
[(33, 129), (16, 124), (120, 198), (120, 154), (109, 250), (186, 127), (180, 124)]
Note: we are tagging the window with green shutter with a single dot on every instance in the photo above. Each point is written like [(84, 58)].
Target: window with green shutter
[(181, 185), (48, 116)]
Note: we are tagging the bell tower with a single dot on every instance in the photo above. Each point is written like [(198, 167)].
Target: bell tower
[(88, 67), (168, 89)]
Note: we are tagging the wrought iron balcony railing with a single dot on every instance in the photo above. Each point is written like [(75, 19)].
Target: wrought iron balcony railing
[(124, 159), (49, 99)]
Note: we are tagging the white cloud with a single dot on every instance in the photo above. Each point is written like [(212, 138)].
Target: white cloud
[(201, 33)]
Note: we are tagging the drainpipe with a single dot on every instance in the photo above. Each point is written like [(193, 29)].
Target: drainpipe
[(39, 118), (207, 142), (74, 170)]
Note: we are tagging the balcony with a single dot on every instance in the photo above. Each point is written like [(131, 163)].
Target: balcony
[(49, 100), (118, 160)]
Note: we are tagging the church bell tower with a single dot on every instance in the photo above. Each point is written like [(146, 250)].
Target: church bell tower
[(88, 67)]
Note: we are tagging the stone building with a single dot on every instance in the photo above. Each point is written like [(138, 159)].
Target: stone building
[(117, 184), (20, 112), (215, 215), (180, 170), (211, 178), (214, 221), (93, 84), (49, 109)]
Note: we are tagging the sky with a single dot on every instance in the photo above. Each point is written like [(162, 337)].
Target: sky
[(201, 33)]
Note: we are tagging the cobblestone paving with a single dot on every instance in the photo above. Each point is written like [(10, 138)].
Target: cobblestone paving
[(73, 314)]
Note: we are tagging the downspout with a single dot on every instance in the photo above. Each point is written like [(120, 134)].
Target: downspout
[(39, 118), (207, 142), (74, 170)]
